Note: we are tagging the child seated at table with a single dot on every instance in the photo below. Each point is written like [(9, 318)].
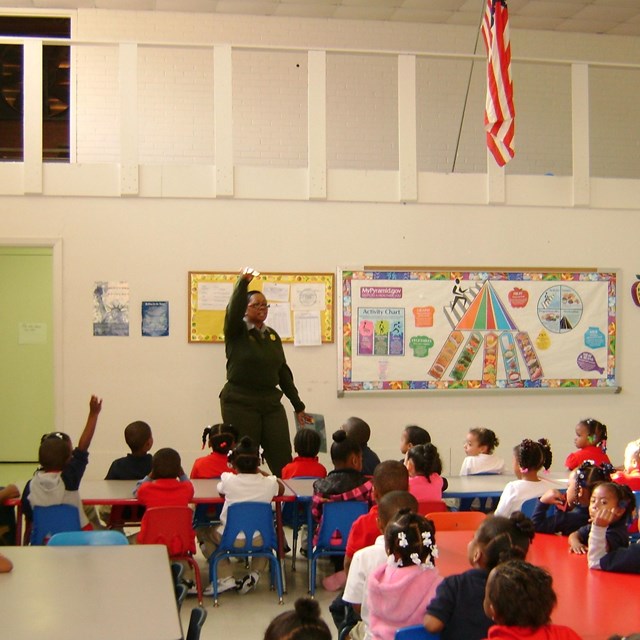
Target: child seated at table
[(303, 623), (519, 599), (424, 467), (479, 446), (366, 559), (399, 590), (619, 499), (621, 560), (221, 438), (57, 481), (359, 430), (457, 609), (167, 485), (306, 443), (591, 444), (572, 507), (248, 484), (411, 436), (529, 458), (630, 475)]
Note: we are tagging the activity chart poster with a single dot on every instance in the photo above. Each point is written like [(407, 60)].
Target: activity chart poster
[(405, 330)]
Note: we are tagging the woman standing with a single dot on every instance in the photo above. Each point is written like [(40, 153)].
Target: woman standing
[(256, 367)]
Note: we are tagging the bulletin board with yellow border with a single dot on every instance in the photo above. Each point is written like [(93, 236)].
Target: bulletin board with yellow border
[(307, 295)]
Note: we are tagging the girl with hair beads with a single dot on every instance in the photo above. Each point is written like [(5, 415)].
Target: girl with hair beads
[(221, 439), (519, 599), (620, 501), (457, 610), (572, 507), (591, 444), (528, 458), (424, 466), (399, 590), (478, 448), (303, 623)]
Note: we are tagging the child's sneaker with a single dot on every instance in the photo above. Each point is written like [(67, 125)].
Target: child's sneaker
[(226, 584), (249, 582)]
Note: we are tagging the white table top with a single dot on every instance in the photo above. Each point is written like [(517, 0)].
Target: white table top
[(97, 592)]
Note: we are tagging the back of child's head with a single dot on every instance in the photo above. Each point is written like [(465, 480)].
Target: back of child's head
[(417, 435), (394, 501), (621, 493), (532, 455), (485, 438), (222, 437), (596, 432), (303, 623), (632, 455), (306, 442), (390, 475), (53, 454), (520, 595), (426, 459), (504, 539), (166, 463), (411, 539), (137, 435), (357, 429), (245, 456), (343, 446), (589, 474)]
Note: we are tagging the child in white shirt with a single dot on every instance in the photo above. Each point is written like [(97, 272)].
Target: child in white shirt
[(478, 447)]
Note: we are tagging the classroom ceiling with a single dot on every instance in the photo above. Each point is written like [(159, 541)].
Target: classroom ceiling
[(612, 17)]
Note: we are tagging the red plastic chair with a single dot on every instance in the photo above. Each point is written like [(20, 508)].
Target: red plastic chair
[(172, 527), (457, 520), (431, 506)]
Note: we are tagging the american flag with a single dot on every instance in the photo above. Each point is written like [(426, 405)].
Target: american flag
[(499, 115)]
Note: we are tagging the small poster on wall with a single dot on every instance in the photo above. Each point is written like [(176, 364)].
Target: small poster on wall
[(111, 308), (155, 319)]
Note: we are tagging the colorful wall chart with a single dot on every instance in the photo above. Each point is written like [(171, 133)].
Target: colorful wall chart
[(422, 329)]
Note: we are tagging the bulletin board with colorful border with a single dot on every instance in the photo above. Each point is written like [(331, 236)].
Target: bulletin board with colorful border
[(207, 325), (421, 329)]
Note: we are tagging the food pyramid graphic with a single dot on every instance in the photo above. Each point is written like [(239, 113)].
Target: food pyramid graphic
[(488, 322)]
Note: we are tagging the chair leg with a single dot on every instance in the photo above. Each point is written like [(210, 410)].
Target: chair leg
[(196, 573)]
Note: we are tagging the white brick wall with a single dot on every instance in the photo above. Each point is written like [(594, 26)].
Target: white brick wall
[(270, 94)]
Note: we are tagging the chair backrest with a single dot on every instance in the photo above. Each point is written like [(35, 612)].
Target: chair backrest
[(415, 632), (431, 506), (87, 538), (337, 519), (198, 616), (529, 506), (251, 519), (181, 590), (457, 520), (53, 519), (170, 526)]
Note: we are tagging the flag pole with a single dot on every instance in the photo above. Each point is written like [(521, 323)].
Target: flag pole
[(466, 97)]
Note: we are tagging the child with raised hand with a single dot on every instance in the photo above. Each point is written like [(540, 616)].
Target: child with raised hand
[(399, 590), (591, 444), (57, 481), (630, 475), (360, 431), (572, 507), (478, 448), (424, 467), (529, 458), (621, 560), (620, 501), (303, 623), (519, 599), (457, 610), (411, 436), (221, 438), (306, 443)]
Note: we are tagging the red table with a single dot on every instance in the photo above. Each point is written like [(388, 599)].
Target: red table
[(596, 604)]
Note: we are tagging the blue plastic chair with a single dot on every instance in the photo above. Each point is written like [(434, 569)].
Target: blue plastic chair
[(196, 621), (529, 506), (54, 519), (296, 514), (415, 632), (87, 538), (337, 518), (251, 519)]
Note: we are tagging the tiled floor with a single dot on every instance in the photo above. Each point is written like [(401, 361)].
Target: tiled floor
[(245, 617)]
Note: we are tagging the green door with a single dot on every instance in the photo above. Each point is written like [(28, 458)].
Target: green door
[(26, 350)]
